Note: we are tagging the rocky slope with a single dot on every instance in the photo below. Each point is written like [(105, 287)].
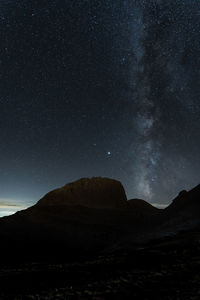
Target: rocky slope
[(188, 201)]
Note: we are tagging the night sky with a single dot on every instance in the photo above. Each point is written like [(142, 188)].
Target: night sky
[(99, 88)]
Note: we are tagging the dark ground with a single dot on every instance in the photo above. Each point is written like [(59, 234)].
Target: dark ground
[(164, 269)]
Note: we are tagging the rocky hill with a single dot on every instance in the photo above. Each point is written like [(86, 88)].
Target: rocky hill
[(96, 192)]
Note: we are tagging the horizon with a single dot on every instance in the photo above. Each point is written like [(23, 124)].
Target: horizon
[(10, 206)]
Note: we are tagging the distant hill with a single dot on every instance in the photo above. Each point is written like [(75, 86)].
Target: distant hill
[(142, 206)]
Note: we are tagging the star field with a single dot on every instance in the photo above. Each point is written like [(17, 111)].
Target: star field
[(99, 88)]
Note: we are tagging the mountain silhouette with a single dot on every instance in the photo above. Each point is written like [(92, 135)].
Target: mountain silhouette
[(183, 213), (186, 200), (96, 192), (91, 216)]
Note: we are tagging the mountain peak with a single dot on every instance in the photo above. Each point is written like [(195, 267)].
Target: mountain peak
[(186, 200), (96, 192)]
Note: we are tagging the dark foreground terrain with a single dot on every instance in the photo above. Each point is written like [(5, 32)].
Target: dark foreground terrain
[(87, 241), (165, 269)]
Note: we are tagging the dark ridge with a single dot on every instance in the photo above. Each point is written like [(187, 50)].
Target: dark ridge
[(186, 200)]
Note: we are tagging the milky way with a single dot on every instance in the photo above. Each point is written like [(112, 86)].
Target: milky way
[(99, 88), (165, 97)]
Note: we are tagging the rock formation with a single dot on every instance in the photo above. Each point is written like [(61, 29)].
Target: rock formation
[(93, 192)]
